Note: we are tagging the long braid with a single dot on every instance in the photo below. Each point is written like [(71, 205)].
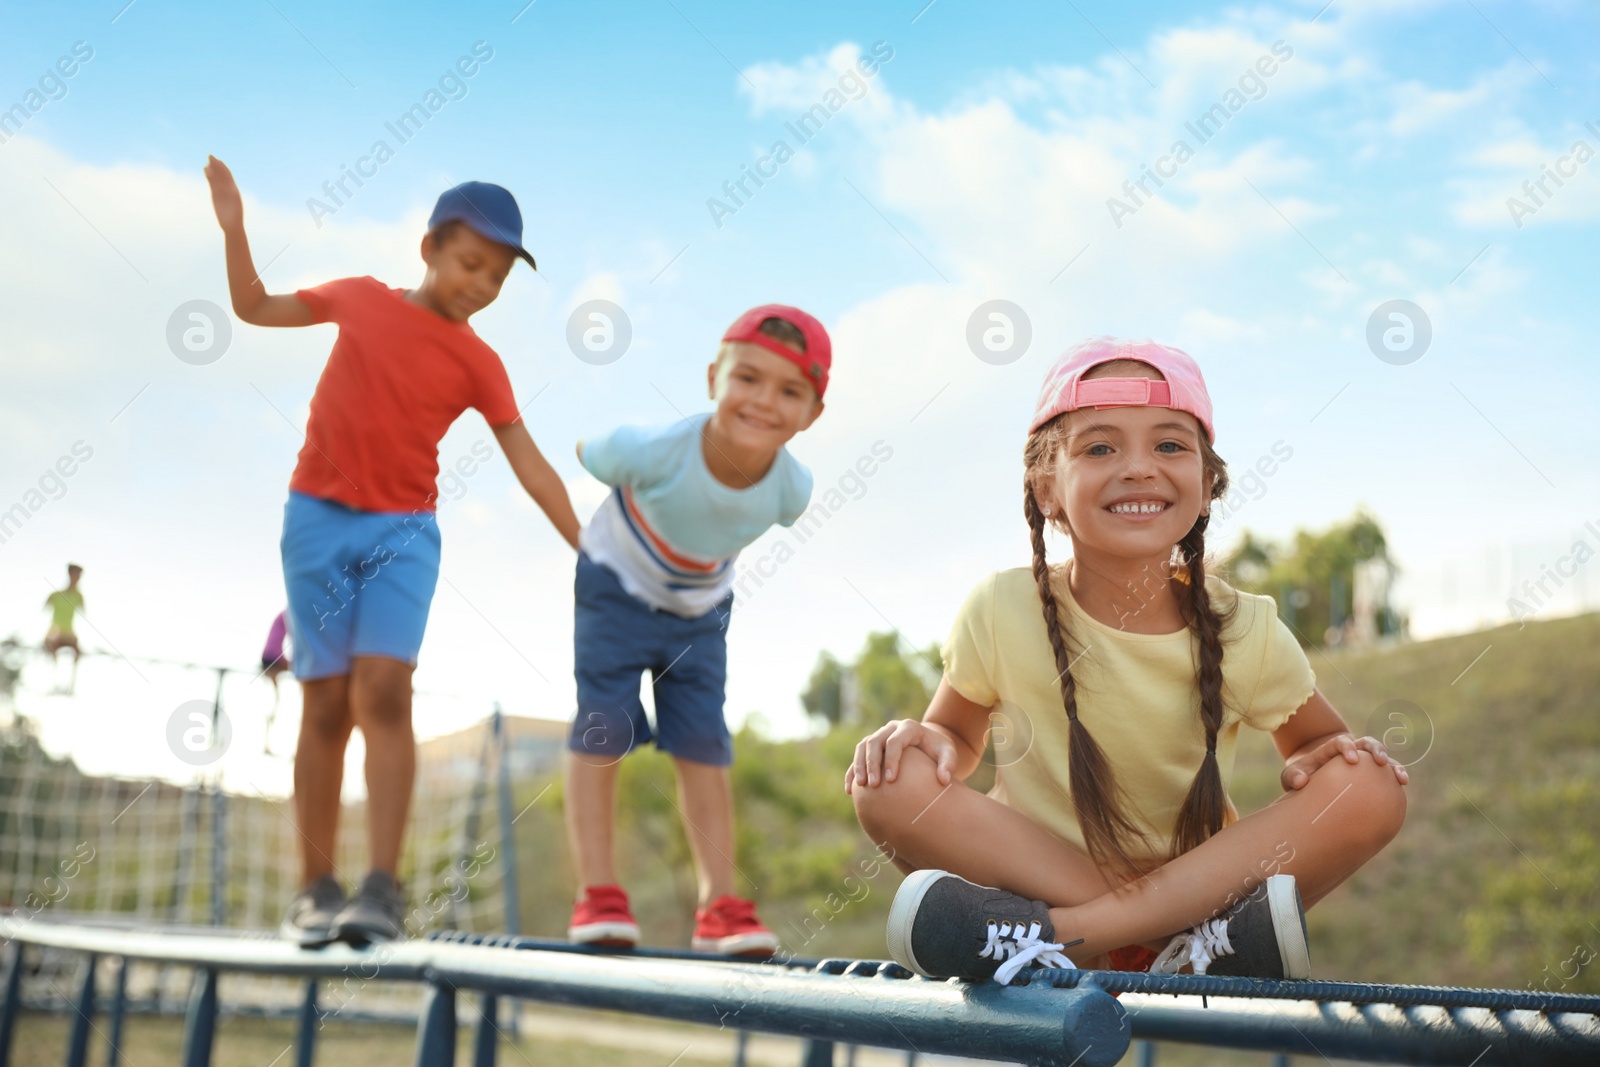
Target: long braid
[(1095, 796), (1202, 811)]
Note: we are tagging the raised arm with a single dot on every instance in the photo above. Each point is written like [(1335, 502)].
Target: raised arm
[(251, 301), (539, 479)]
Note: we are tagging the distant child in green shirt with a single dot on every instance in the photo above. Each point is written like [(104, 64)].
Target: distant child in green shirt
[(63, 605)]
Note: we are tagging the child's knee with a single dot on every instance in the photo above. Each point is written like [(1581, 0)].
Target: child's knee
[(888, 807), (327, 722), (1373, 802)]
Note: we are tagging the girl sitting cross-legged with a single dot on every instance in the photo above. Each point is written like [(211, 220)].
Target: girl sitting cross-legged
[(1113, 834)]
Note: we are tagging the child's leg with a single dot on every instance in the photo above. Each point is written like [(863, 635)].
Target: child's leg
[(380, 704), (689, 682), (319, 771), (613, 636), (1321, 834), (954, 828), (707, 801), (591, 816)]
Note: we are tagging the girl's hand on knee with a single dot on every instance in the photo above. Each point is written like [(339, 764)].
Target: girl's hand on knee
[(1298, 771), (878, 755)]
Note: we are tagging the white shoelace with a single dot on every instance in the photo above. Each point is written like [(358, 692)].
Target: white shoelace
[(1019, 949), (1200, 946)]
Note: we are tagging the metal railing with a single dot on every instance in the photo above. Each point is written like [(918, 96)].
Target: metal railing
[(1057, 1017)]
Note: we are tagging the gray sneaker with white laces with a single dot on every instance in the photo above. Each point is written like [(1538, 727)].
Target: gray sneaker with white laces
[(943, 926), (1262, 936), (375, 913), (313, 913)]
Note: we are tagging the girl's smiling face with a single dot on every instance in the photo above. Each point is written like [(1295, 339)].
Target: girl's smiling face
[(1128, 482)]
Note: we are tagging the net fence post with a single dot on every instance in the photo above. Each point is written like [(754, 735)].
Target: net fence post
[(508, 845), (219, 818)]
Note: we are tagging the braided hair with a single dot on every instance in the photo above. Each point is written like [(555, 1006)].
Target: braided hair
[(1098, 801)]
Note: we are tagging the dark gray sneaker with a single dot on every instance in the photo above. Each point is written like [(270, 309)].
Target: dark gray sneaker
[(943, 926), (312, 914), (375, 913), (1262, 936)]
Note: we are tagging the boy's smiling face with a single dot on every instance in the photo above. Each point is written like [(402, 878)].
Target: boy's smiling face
[(763, 400), (1130, 481), (465, 272)]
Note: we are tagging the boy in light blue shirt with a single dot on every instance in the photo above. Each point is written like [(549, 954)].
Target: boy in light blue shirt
[(654, 593)]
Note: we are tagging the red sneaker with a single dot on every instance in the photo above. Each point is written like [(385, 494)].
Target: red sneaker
[(601, 917), (729, 927)]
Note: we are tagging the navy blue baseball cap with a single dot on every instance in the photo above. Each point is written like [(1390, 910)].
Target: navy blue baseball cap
[(489, 210)]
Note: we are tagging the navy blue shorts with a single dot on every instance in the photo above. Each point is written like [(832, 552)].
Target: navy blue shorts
[(618, 637)]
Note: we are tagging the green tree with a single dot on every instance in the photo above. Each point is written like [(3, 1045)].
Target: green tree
[(1313, 575), (822, 696), (886, 681)]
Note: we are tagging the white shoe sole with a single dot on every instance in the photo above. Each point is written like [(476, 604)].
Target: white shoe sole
[(763, 944), (1293, 951), (608, 935), (299, 935), (903, 914)]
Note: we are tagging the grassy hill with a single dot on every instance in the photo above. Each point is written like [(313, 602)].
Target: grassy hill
[(1495, 880)]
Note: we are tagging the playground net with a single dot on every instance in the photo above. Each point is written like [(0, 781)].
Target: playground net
[(199, 853)]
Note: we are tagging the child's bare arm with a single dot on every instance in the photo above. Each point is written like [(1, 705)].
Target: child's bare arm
[(251, 301), (539, 479), (952, 732), (1316, 734)]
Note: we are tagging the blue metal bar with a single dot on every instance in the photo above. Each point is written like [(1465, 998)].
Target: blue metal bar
[(305, 1042), (119, 1005), (866, 1002), (200, 1025), (1372, 1032), (817, 1054), (540, 944), (1146, 1053), (1057, 1016), (740, 1048), (436, 1036), (82, 1014), (486, 1041), (1348, 992)]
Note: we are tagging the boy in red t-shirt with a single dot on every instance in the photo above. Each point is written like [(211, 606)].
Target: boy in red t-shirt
[(360, 539)]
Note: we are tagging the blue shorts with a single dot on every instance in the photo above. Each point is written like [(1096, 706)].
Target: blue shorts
[(359, 582), (617, 638)]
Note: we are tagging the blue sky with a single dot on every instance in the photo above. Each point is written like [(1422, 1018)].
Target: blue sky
[(976, 165)]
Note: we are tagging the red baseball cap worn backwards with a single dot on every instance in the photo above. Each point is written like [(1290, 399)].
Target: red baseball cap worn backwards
[(816, 361), (1065, 389)]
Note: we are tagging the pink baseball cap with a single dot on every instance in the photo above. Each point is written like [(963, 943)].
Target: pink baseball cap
[(1066, 390), (816, 361)]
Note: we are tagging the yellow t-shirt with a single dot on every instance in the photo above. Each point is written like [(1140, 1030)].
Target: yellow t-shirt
[(1136, 695)]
